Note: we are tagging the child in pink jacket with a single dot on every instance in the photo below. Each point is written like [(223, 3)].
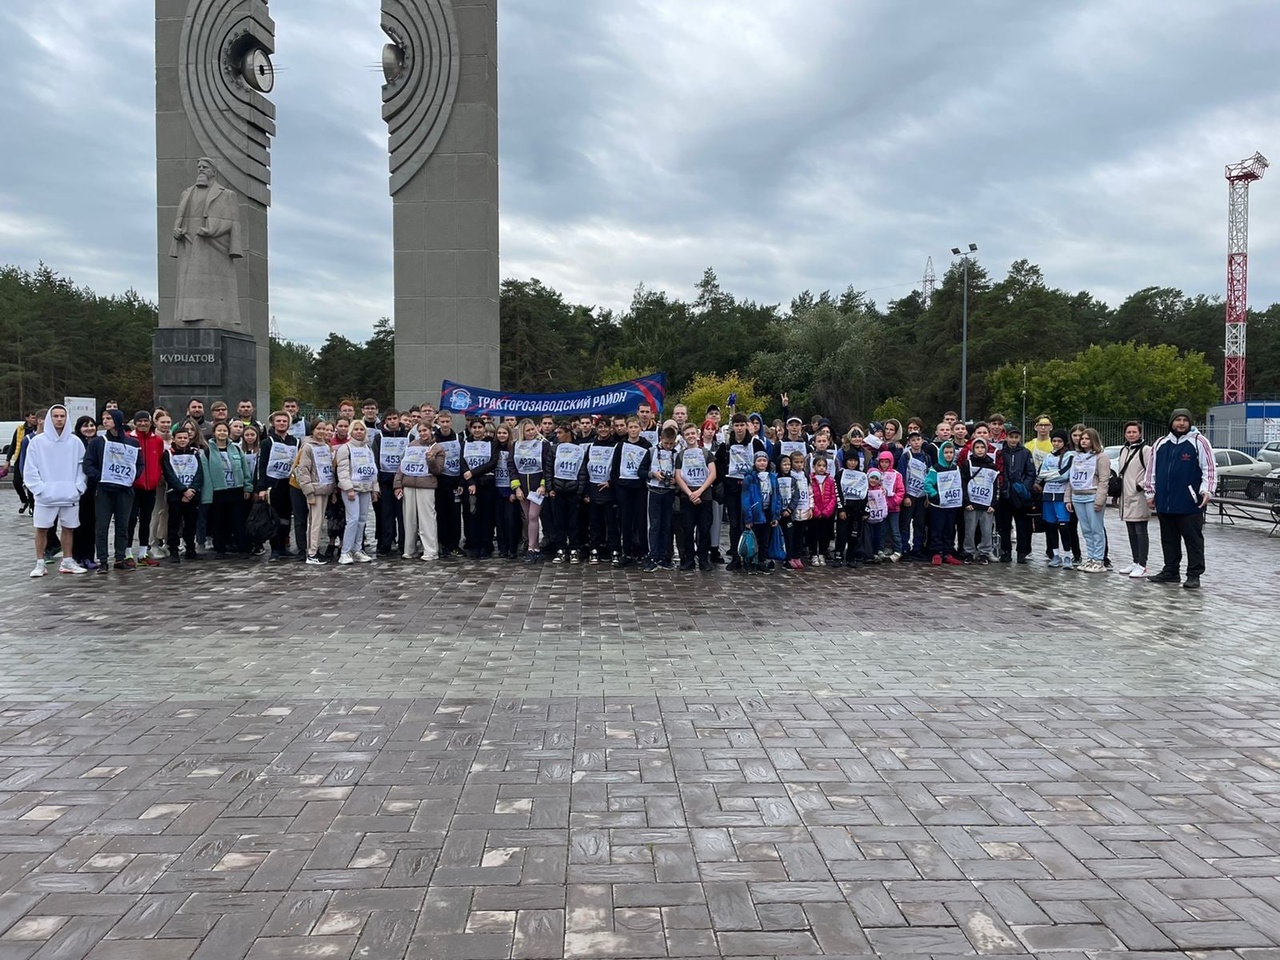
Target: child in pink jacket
[(895, 488), (824, 512)]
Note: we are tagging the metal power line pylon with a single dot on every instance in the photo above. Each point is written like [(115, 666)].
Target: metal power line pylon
[(929, 284), (1239, 176)]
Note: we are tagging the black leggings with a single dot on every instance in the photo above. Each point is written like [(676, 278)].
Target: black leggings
[(1139, 540)]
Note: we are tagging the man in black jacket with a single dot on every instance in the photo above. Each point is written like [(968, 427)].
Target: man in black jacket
[(1013, 508), (112, 461)]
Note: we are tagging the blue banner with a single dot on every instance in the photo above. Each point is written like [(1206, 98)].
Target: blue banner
[(622, 397)]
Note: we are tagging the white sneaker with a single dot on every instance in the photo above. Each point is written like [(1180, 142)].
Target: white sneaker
[(346, 559), (895, 557), (70, 566), (39, 569), (362, 557), (1125, 570), (1138, 573)]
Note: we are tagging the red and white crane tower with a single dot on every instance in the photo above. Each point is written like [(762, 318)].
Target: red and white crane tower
[(1239, 176)]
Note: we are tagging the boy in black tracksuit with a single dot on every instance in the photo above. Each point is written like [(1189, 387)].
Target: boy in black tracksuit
[(631, 491), (184, 477), (275, 489), (735, 460), (390, 507), (851, 513), (568, 484), (600, 501)]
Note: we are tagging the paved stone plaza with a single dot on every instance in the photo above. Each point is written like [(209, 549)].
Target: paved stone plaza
[(399, 760)]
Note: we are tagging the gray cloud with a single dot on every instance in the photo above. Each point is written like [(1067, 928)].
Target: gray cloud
[(790, 146)]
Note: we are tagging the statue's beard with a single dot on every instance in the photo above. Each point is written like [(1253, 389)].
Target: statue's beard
[(202, 180)]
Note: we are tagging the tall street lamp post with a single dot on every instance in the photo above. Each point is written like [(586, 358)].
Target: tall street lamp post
[(964, 332)]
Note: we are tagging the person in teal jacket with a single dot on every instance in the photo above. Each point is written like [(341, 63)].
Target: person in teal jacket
[(761, 504), (227, 483)]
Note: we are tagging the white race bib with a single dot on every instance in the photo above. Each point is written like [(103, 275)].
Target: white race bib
[(804, 505), (853, 485), (529, 456), (363, 469), (794, 446), (323, 458), (950, 490), (916, 470), (569, 460), (119, 463), (452, 458), (693, 467), (476, 453), (785, 486), (414, 461), (251, 466), (390, 450), (1083, 471), (228, 471), (740, 460), (982, 486), (651, 436), (632, 457), (877, 506), (599, 463), (502, 472), (280, 461), (664, 461), (890, 483), (298, 429), (185, 466)]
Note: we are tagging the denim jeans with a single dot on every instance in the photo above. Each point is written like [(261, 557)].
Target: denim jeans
[(1091, 528)]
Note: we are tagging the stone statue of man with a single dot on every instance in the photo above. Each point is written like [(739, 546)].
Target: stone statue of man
[(206, 241)]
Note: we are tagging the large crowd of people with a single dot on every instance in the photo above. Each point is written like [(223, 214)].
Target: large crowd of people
[(117, 493)]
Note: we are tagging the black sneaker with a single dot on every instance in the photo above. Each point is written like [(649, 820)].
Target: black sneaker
[(650, 566), (1163, 577), (127, 563), (686, 565), (716, 555), (560, 557), (667, 564), (575, 556), (704, 565), (1192, 583)]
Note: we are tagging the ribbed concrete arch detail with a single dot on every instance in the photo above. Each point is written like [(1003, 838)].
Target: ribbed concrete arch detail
[(421, 87), (231, 121)]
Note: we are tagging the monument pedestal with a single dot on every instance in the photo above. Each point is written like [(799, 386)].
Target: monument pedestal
[(203, 362)]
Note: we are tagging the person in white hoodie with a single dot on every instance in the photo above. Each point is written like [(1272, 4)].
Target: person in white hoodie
[(54, 473)]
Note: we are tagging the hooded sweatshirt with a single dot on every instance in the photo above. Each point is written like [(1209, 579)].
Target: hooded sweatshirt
[(954, 487), (95, 454), (1179, 466), (53, 470)]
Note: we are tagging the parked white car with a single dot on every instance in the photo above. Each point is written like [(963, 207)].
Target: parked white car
[(1270, 452), (1237, 463)]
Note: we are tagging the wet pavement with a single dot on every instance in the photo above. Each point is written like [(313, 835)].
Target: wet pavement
[(242, 759)]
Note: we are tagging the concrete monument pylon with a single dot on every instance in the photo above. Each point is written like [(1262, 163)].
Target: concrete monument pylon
[(214, 125), (440, 103)]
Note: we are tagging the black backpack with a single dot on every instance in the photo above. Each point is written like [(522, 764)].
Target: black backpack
[(262, 523)]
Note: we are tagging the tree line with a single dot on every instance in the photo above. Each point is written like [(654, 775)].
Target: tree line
[(838, 353)]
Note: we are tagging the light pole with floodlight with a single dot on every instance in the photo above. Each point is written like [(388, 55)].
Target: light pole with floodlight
[(964, 332)]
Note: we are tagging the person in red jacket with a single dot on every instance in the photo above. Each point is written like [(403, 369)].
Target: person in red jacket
[(824, 512), (149, 479)]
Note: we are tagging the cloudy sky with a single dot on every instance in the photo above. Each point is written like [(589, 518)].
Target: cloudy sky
[(790, 144)]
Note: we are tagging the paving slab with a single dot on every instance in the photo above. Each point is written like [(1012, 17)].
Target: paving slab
[(245, 759)]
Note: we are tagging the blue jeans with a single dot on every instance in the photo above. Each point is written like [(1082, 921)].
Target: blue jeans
[(1091, 528), (357, 514)]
